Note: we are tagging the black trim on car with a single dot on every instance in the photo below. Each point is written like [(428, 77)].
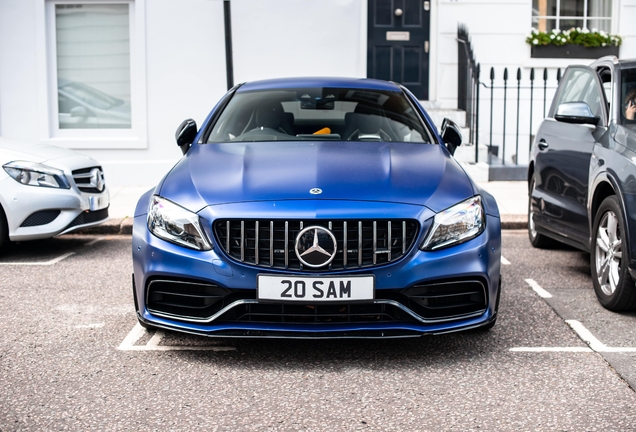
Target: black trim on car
[(218, 109), (41, 217), (429, 302)]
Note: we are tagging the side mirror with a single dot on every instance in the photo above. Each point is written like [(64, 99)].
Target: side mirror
[(185, 134), (576, 113), (451, 135)]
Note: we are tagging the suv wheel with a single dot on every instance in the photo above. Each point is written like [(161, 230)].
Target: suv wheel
[(614, 287), (537, 240)]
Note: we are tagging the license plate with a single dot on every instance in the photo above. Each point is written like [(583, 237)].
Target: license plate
[(98, 202), (315, 289)]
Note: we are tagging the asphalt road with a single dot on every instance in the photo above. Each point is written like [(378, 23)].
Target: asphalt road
[(72, 358)]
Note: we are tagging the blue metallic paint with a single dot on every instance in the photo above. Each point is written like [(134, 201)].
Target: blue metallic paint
[(419, 174), (476, 258), (359, 179), (353, 83)]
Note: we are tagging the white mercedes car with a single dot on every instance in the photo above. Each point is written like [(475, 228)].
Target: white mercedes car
[(46, 191)]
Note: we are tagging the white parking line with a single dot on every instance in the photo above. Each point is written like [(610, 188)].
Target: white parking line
[(551, 349), (537, 288), (128, 344), (42, 263), (586, 335), (592, 341), (594, 345), (155, 339), (504, 261), (97, 240)]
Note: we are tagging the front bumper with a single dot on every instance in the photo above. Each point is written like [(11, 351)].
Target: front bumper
[(225, 292), (37, 212)]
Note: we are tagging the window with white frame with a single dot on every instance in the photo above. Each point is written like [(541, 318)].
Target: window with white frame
[(548, 15), (94, 73), (93, 66)]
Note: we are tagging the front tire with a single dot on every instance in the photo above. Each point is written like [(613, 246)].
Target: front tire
[(613, 284)]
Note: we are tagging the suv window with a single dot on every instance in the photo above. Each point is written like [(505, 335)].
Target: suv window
[(581, 86), (628, 91)]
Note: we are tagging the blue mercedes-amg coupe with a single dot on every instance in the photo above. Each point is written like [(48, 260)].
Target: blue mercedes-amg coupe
[(317, 208)]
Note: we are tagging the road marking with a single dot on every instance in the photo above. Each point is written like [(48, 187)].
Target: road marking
[(42, 263), (155, 339), (594, 345), (592, 341), (128, 344), (586, 335), (537, 288), (504, 261), (135, 334), (97, 240), (551, 349)]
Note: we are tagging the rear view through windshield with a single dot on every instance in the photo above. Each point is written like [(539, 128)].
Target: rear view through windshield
[(319, 114)]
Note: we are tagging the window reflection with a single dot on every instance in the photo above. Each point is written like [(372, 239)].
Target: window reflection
[(93, 66)]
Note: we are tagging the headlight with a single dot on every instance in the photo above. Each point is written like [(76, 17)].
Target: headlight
[(35, 174), (175, 224), (455, 225)]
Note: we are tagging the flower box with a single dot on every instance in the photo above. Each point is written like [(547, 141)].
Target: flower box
[(572, 51)]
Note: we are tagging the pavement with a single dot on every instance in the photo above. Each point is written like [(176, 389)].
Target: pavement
[(511, 196)]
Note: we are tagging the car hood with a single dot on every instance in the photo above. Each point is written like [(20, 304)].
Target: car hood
[(419, 174), (58, 157)]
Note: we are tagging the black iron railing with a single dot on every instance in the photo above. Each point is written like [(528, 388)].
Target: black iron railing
[(467, 82), (524, 100), (527, 111)]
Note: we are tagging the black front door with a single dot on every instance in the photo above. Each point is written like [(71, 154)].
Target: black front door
[(398, 43)]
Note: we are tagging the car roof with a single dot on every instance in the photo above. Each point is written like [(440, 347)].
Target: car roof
[(286, 83), (622, 63), (627, 63)]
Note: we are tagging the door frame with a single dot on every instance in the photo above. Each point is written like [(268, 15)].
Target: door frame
[(433, 45)]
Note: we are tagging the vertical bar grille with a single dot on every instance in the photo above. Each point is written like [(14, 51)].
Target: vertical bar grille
[(360, 243)]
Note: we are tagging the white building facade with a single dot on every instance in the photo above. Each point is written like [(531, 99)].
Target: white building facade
[(114, 78)]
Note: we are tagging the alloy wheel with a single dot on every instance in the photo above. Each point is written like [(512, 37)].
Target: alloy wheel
[(609, 252)]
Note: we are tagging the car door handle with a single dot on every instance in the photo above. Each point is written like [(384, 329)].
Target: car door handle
[(543, 144)]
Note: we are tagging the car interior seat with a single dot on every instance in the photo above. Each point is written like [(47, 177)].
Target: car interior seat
[(270, 115), (366, 124)]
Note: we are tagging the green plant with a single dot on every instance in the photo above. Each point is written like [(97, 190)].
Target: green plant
[(574, 36)]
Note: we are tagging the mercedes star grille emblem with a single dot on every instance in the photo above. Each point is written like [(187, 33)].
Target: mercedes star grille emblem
[(97, 179), (315, 191), (316, 246)]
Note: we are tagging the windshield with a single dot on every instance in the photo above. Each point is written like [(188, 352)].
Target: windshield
[(312, 114)]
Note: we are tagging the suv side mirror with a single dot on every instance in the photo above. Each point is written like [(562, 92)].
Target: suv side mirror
[(185, 134), (451, 135), (576, 113)]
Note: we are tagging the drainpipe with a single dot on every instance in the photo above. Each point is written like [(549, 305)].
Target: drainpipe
[(229, 64)]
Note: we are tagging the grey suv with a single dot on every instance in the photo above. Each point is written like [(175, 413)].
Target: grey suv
[(582, 175)]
